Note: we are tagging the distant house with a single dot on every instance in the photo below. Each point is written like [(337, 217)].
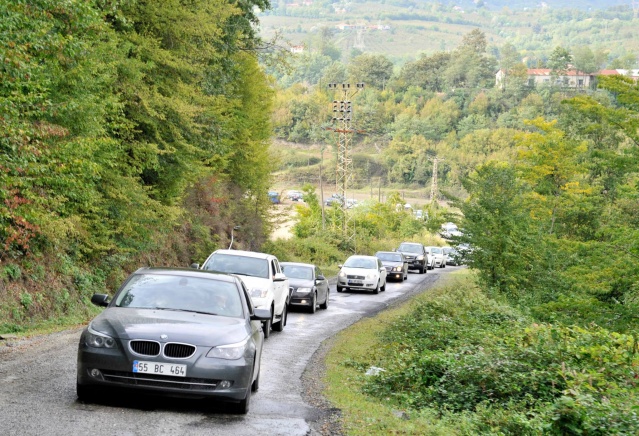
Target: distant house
[(297, 49), (571, 79)]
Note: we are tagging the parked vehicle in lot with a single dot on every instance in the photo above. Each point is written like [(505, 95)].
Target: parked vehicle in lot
[(395, 263), (436, 257), (415, 254), (262, 274), (362, 273), (334, 199), (178, 332), (308, 285), (452, 256), (294, 195), (274, 197)]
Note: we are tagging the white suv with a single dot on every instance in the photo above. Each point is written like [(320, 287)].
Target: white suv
[(263, 276), (437, 257)]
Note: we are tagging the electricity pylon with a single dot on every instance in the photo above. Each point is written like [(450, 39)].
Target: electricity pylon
[(342, 117), (433, 187)]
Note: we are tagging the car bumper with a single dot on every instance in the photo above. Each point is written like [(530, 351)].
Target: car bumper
[(203, 374), (365, 284)]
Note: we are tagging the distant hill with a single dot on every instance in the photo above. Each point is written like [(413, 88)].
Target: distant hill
[(402, 29)]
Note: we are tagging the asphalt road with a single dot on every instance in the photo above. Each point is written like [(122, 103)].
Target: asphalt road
[(37, 381)]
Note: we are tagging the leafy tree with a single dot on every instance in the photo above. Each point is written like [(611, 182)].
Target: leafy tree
[(372, 70)]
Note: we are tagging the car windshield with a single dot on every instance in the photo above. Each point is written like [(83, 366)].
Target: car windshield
[(243, 265), (389, 257), (361, 262), (298, 272), (410, 248), (176, 292)]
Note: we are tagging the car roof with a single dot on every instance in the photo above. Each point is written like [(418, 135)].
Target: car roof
[(297, 264), (362, 256), (254, 254), (186, 272), (387, 252)]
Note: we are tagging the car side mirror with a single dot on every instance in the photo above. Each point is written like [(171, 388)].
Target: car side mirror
[(279, 277), (339, 265), (261, 315), (100, 300), (195, 265)]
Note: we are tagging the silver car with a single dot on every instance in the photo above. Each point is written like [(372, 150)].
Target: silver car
[(180, 332)]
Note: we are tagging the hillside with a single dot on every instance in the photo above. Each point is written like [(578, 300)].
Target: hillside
[(402, 29)]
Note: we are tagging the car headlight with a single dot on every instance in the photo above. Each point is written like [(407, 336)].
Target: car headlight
[(259, 293), (420, 257), (397, 268), (342, 274), (96, 339), (371, 276), (304, 290), (230, 351)]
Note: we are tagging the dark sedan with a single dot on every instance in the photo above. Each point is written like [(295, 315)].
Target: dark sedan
[(308, 285), (395, 263), (179, 332)]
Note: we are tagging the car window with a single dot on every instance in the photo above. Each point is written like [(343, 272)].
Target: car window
[(360, 262), (298, 272), (236, 264), (176, 292), (410, 248), (249, 303), (390, 257)]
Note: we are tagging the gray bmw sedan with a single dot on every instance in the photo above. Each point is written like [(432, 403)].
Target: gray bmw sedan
[(180, 332)]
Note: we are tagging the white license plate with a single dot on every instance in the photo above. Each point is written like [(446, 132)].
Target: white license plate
[(355, 282), (159, 368)]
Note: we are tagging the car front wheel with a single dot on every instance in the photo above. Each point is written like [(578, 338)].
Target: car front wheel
[(267, 326), (313, 305), (279, 326), (324, 305)]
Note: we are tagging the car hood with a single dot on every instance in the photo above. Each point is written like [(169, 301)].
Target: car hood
[(392, 263), (193, 328), (358, 271), (256, 282), (300, 283)]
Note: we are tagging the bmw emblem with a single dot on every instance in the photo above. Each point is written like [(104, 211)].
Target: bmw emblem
[(164, 337)]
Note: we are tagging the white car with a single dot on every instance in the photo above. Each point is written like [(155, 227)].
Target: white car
[(436, 257), (362, 273), (262, 275)]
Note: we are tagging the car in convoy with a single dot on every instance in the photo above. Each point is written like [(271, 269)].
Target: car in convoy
[(262, 274), (177, 332), (395, 263), (449, 231), (362, 273), (274, 197), (436, 257), (415, 254), (452, 256), (309, 287)]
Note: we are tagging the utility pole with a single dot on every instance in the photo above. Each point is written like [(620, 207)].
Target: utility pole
[(433, 187), (342, 117), (322, 186)]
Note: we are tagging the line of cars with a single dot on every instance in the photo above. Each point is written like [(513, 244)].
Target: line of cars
[(199, 331)]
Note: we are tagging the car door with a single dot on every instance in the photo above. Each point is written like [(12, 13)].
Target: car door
[(322, 285), (280, 286), (382, 272), (257, 333)]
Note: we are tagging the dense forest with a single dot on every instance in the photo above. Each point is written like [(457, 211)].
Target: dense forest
[(133, 133)]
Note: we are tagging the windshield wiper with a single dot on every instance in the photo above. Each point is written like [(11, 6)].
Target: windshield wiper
[(184, 310)]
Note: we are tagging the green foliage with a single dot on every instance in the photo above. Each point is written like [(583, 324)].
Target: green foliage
[(460, 352)]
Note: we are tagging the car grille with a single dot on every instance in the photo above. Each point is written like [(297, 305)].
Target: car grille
[(355, 277), (151, 380), (172, 350), (179, 351), (388, 268), (409, 257), (145, 348)]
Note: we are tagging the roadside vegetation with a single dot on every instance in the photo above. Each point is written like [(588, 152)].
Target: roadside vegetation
[(456, 361)]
